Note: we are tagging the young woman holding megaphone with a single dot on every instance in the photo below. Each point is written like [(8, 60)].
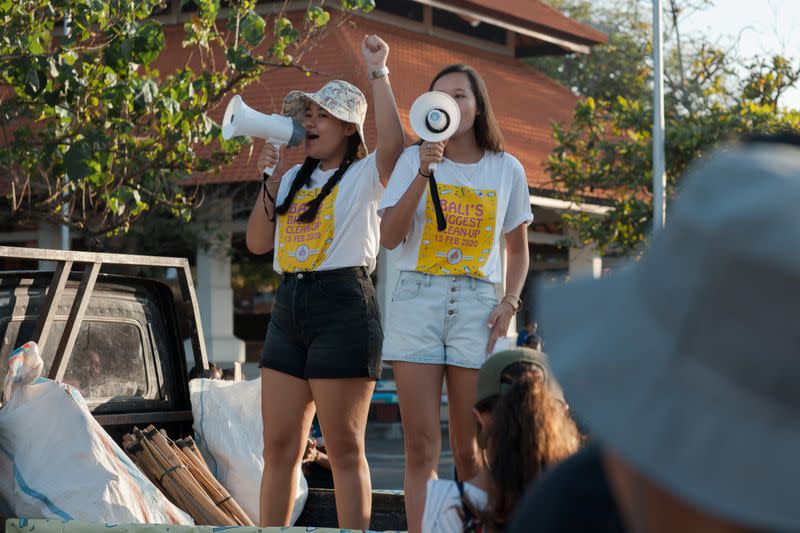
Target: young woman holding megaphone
[(444, 316), (323, 343)]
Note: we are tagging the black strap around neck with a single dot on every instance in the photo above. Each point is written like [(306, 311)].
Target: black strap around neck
[(468, 516)]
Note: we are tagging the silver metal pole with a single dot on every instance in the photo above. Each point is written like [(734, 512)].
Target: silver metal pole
[(659, 164), (65, 236)]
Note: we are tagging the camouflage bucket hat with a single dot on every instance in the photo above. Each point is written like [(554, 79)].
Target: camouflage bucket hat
[(341, 99)]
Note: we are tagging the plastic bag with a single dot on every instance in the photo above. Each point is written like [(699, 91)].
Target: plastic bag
[(227, 425), (56, 461), (24, 367)]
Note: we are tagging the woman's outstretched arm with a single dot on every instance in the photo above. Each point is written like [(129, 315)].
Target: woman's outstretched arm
[(391, 138)]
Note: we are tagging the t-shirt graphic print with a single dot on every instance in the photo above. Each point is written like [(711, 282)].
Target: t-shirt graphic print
[(303, 245), (482, 202), (465, 244)]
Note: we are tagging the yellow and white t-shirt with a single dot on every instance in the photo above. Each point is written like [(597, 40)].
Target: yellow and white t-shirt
[(481, 202), (346, 232)]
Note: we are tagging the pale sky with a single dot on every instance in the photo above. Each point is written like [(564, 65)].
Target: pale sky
[(761, 27)]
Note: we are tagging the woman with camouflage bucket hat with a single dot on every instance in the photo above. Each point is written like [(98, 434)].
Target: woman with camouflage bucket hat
[(323, 346)]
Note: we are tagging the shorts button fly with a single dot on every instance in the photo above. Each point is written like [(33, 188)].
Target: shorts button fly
[(300, 275), (450, 312)]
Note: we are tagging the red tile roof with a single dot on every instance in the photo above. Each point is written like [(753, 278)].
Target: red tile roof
[(535, 14), (525, 101)]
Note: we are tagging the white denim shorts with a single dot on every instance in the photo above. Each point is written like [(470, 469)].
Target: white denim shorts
[(439, 320)]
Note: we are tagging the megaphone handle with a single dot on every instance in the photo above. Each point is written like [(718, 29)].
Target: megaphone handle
[(441, 223), (277, 144), (432, 167)]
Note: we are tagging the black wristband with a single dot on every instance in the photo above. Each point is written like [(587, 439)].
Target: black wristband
[(423, 174)]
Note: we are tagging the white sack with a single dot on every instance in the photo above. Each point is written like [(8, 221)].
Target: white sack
[(56, 461), (227, 425)]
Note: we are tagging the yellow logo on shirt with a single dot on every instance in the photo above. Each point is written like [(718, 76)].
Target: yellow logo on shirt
[(304, 246), (464, 246)]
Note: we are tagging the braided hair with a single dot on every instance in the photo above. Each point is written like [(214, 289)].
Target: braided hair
[(303, 178)]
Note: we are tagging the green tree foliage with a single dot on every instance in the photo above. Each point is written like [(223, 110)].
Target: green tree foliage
[(618, 68), (88, 121), (604, 154)]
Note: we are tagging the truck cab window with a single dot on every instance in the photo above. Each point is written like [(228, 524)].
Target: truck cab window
[(108, 361)]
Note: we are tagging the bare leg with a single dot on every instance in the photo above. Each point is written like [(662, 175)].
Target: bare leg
[(342, 408), (461, 394), (419, 389), (286, 412)]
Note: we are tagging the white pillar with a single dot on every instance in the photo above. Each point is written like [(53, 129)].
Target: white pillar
[(48, 236), (215, 294), (585, 262)]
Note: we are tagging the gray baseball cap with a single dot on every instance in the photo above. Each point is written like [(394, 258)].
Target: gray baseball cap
[(491, 372)]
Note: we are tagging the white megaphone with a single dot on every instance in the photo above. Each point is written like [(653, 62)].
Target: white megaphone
[(435, 117), (241, 119)]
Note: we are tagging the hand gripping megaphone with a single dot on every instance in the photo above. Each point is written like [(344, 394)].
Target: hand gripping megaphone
[(434, 118), (241, 119)]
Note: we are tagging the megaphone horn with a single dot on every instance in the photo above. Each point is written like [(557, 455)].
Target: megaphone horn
[(437, 120), (435, 117), (241, 119)]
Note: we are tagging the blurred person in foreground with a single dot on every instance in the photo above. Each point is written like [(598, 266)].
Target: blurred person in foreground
[(685, 365)]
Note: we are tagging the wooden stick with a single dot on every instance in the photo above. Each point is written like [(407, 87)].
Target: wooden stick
[(150, 467), (159, 468), (181, 473), (194, 453), (173, 482), (214, 488)]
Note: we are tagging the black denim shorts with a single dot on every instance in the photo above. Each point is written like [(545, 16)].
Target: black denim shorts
[(325, 324)]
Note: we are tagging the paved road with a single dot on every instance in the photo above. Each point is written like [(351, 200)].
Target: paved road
[(387, 460)]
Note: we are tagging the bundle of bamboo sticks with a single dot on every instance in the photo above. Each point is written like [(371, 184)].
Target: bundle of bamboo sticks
[(178, 469)]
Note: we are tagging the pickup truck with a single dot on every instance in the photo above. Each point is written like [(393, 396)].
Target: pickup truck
[(120, 340)]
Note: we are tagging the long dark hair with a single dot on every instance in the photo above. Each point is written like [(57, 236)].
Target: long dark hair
[(487, 131), (528, 431), (303, 178)]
